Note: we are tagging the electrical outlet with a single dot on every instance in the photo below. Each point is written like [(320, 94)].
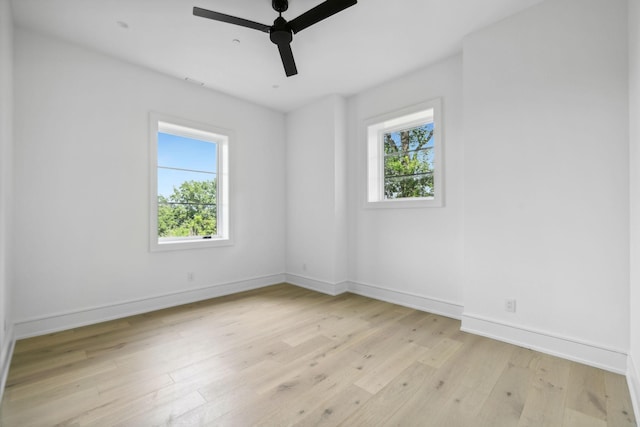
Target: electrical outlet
[(510, 305), (190, 276)]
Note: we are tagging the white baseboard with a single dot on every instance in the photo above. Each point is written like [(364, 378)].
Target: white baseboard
[(610, 359), (317, 285), (419, 302), (72, 319), (407, 299), (5, 358), (633, 381)]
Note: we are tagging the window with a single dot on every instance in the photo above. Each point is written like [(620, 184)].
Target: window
[(404, 157), (189, 184)]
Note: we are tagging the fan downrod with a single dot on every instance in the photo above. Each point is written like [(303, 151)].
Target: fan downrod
[(280, 5)]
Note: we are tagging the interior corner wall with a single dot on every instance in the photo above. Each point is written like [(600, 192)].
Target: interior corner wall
[(547, 180), (633, 375), (6, 144), (82, 175), (412, 256), (316, 213)]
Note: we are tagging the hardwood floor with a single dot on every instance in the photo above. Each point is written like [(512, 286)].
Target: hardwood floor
[(288, 356)]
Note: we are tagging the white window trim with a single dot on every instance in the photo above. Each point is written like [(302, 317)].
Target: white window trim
[(374, 127), (190, 129)]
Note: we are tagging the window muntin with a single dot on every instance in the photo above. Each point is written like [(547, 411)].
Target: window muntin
[(404, 167), (189, 184)]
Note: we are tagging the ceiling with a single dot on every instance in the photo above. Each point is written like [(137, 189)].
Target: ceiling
[(362, 46)]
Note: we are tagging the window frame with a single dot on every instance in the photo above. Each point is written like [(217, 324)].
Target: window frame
[(159, 122), (374, 129)]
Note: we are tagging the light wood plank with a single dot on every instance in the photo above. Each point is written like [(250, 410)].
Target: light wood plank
[(331, 411), (585, 391), (619, 407), (579, 419), (545, 402), (295, 408), (506, 402), (439, 354), (165, 413), (391, 366), (391, 398), (465, 380)]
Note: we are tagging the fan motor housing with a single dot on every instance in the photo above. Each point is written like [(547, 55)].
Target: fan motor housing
[(281, 37), (280, 32), (280, 5)]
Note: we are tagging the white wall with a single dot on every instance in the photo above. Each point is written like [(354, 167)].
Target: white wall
[(412, 256), (6, 143), (546, 180), (81, 174), (316, 195), (634, 121)]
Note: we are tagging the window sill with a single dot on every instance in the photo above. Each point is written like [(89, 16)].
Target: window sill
[(189, 244), (404, 204)]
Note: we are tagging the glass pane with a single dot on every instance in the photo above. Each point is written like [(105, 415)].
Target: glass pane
[(171, 181), (186, 153), (407, 140), (409, 186), (186, 220), (411, 163), (187, 203)]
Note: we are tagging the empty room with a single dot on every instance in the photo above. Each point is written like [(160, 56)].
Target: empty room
[(308, 212)]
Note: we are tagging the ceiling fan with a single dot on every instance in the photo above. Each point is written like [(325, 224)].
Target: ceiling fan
[(281, 32)]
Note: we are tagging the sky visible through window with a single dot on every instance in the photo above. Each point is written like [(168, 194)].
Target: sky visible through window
[(183, 153)]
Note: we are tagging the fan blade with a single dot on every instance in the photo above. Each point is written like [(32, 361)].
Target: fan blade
[(318, 13), (287, 59), (204, 13)]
